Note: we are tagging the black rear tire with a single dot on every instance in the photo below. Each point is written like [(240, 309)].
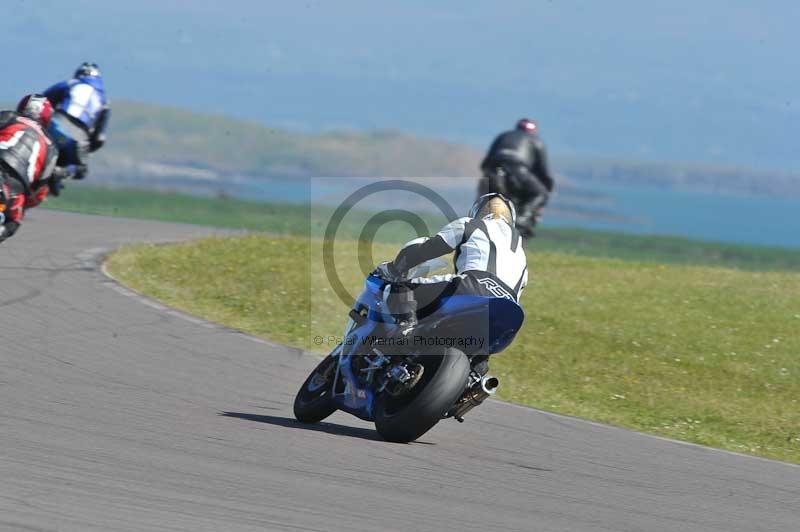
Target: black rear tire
[(406, 419), (314, 400)]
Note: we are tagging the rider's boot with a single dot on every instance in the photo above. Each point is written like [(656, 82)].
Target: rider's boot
[(403, 307), (528, 216), (480, 364)]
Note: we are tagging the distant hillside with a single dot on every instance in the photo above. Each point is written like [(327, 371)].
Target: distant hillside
[(149, 141), (174, 147)]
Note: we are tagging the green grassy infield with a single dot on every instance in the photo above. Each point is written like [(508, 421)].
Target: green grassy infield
[(705, 352), (702, 354)]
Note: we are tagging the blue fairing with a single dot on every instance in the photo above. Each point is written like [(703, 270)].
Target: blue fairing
[(496, 319)]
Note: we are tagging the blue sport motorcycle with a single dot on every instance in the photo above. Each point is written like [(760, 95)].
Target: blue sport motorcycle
[(404, 380)]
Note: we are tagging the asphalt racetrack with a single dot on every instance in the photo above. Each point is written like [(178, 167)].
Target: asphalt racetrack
[(120, 414)]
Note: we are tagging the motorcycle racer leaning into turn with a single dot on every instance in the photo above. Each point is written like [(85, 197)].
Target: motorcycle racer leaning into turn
[(516, 166), (81, 116), (27, 160), (489, 261)]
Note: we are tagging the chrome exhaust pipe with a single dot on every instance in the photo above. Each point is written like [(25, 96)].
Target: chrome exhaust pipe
[(475, 395)]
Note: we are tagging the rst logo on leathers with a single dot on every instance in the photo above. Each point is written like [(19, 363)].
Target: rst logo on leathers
[(492, 286)]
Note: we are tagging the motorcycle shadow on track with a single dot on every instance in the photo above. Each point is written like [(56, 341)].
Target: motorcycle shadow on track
[(327, 427)]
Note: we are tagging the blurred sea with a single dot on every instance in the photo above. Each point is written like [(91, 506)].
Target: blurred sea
[(639, 209)]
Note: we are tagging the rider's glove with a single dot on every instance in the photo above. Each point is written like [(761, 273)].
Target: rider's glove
[(96, 144), (388, 272)]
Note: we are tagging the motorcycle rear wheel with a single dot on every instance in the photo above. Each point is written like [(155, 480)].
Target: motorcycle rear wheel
[(314, 400), (405, 419)]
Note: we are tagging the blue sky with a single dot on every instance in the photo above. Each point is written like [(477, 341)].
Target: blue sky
[(713, 81)]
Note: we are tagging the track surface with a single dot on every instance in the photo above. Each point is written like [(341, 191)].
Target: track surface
[(119, 415)]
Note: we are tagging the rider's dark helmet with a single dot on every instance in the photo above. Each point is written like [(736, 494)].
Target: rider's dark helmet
[(36, 107), (496, 204), (527, 125), (88, 70)]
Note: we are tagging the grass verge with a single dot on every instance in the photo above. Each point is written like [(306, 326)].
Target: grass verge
[(701, 354)]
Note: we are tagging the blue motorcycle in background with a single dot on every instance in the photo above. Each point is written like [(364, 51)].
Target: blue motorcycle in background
[(406, 381)]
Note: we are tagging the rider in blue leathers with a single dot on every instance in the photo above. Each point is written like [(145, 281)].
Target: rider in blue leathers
[(80, 118)]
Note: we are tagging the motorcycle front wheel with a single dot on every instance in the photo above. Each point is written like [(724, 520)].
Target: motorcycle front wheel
[(314, 401), (406, 418)]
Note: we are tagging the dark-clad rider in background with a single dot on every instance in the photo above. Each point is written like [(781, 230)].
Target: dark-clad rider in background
[(81, 117), (27, 160), (516, 166)]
